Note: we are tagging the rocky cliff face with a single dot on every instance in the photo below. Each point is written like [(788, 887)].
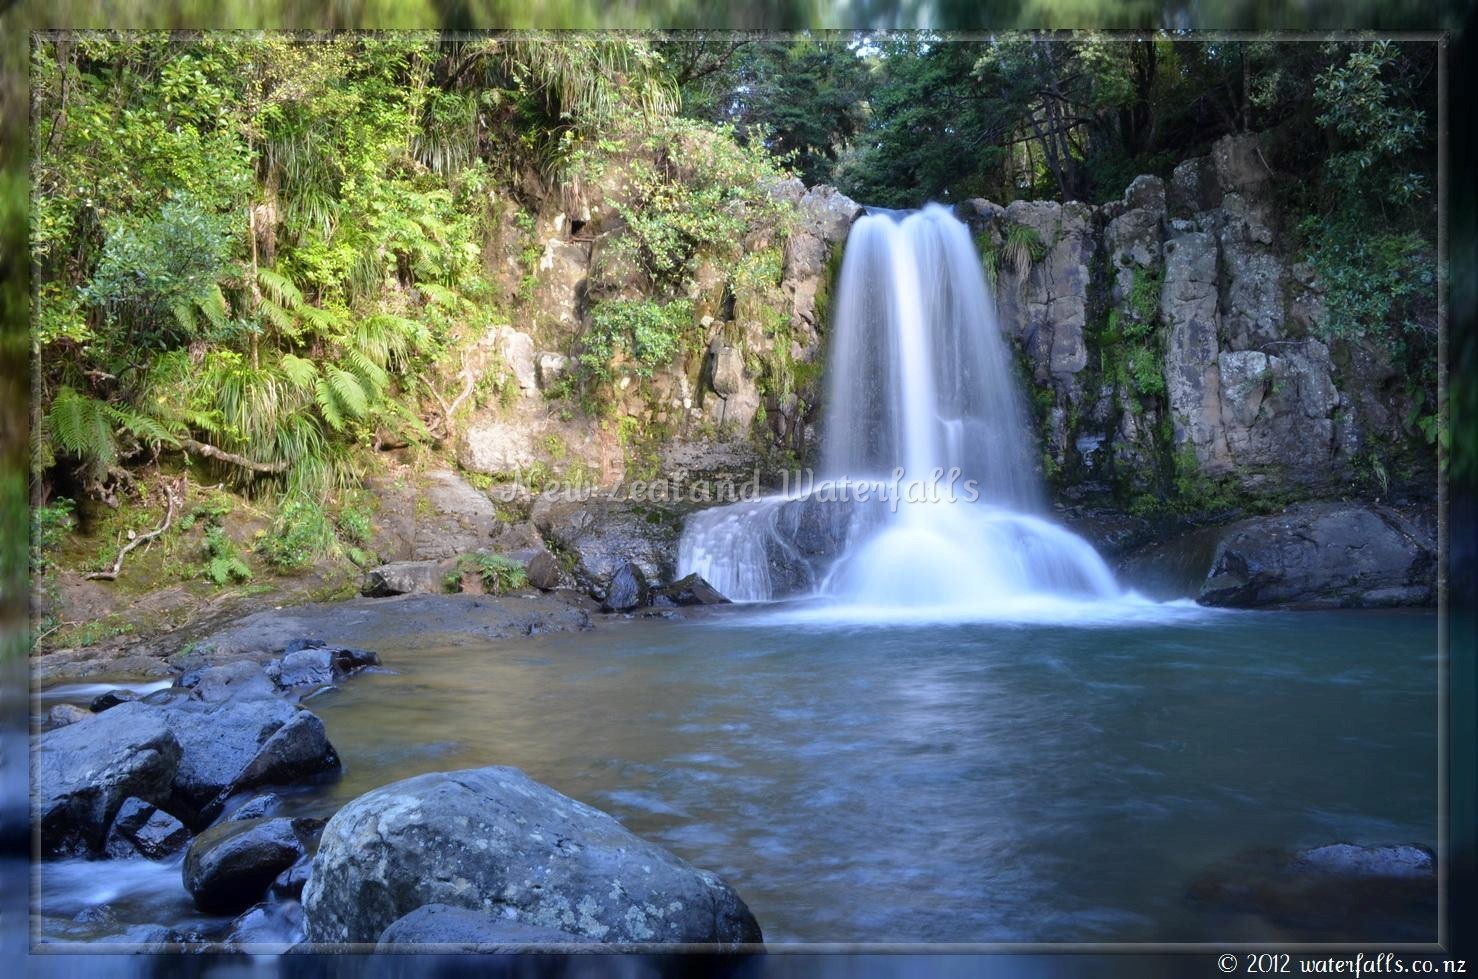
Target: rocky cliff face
[(1169, 337)]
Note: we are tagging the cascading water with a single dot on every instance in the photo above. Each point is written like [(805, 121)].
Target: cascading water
[(926, 496)]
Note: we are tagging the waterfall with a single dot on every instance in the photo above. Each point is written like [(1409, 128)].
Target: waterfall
[(926, 496)]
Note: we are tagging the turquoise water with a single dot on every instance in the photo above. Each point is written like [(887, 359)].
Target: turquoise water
[(981, 782)]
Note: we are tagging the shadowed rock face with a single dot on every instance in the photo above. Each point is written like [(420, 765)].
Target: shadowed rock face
[(463, 930), (493, 840), (230, 866)]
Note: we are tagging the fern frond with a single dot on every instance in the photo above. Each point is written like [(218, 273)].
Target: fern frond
[(282, 290)]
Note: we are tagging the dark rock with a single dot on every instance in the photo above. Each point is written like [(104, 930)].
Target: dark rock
[(544, 571), (488, 836), (82, 773), (289, 884), (265, 929), (689, 590), (466, 930), (237, 745), (241, 680), (303, 668), (628, 590), (1339, 892), (1329, 555), (256, 807), (112, 698), (229, 867), (61, 715), (146, 830), (602, 535)]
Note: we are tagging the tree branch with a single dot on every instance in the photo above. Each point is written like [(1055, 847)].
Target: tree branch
[(211, 452), (172, 503)]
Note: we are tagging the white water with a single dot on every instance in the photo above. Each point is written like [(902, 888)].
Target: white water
[(927, 500)]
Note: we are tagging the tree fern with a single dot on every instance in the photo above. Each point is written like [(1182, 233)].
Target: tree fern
[(81, 426), (279, 288)]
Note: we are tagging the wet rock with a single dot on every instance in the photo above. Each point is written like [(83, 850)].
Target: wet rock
[(728, 370), (690, 590), (241, 680), (256, 807), (237, 745), (146, 830), (406, 578), (83, 773), (229, 867), (289, 884), (61, 715), (319, 664), (603, 535), (112, 698), (492, 836), (1336, 892), (265, 929), (466, 930), (628, 590), (1325, 555)]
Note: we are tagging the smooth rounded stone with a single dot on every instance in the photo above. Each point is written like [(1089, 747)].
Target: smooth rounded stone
[(1339, 892), (112, 698), (146, 830), (464, 930), (690, 590), (241, 680), (82, 773), (229, 867), (61, 715), (237, 745), (627, 590), (492, 839), (256, 807)]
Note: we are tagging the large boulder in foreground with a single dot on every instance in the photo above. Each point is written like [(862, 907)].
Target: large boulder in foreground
[(462, 930), (493, 840), (1330, 555), (83, 773)]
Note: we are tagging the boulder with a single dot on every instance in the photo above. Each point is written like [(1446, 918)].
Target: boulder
[(406, 578), (543, 571), (494, 840), (240, 680), (289, 884), (1311, 555), (83, 773), (237, 745), (229, 867), (604, 534), (112, 698), (464, 930), (146, 830), (517, 351), (628, 590), (265, 928), (318, 664), (690, 590)]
